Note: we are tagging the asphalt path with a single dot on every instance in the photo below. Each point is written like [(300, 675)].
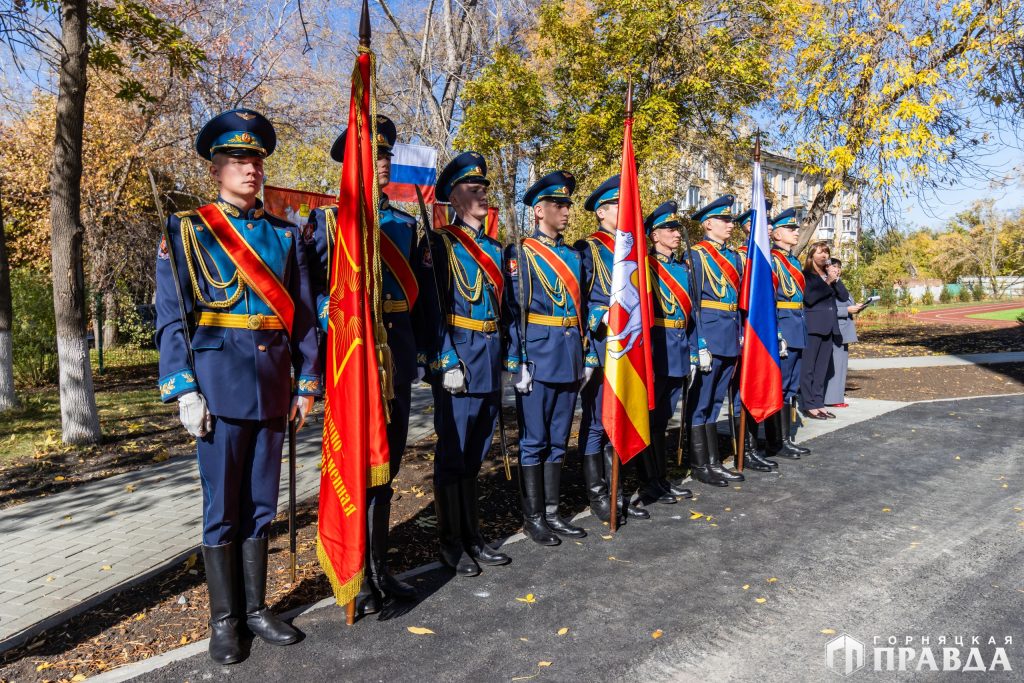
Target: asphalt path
[(907, 525)]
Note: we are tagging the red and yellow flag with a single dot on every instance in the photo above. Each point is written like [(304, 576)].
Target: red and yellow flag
[(628, 369), (355, 446)]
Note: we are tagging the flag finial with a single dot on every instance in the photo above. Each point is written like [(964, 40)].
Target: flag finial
[(364, 25)]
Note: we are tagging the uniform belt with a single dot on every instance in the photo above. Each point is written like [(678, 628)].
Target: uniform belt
[(717, 305), (789, 304), (395, 306), (473, 323), (552, 320), (673, 323), (240, 321)]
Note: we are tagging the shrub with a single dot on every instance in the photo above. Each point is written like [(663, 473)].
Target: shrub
[(965, 294), (927, 299), (34, 335), (905, 298), (888, 298), (945, 296), (977, 291)]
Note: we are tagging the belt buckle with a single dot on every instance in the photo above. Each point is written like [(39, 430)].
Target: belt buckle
[(490, 326), (255, 322), (388, 306), (566, 322)]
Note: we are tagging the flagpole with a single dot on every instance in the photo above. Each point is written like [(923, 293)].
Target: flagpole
[(742, 436)]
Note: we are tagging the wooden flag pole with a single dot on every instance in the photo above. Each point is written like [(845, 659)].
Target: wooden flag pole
[(613, 492), (741, 436)]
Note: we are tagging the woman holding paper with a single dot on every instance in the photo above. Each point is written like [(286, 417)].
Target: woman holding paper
[(835, 384)]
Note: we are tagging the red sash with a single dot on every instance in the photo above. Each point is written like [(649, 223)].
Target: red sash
[(572, 284), (491, 269), (605, 239), (724, 264), (673, 286), (257, 274), (795, 273), (400, 268)]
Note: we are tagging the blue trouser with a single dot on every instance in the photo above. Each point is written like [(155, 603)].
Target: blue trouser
[(818, 355), (592, 436), (707, 394), (465, 426), (667, 392), (240, 470), (791, 374), (398, 434), (545, 420)]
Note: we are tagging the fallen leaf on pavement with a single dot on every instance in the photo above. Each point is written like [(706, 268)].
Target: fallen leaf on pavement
[(529, 599), (696, 515), (543, 664), (419, 630), (828, 631), (657, 634), (772, 580), (761, 601), (562, 631), (746, 586)]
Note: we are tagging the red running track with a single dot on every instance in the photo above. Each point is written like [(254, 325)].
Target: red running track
[(959, 314)]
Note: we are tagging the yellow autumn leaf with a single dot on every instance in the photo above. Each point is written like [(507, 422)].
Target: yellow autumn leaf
[(130, 487), (419, 630), (53, 578), (886, 510), (140, 616), (746, 586), (562, 631), (529, 599), (191, 561), (696, 515), (78, 677), (184, 640), (957, 457), (106, 568), (542, 664), (772, 580), (43, 666), (760, 601), (728, 509), (606, 537), (58, 478), (658, 633), (828, 631)]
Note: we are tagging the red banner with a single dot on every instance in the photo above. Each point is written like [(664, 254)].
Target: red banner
[(355, 447), (294, 205)]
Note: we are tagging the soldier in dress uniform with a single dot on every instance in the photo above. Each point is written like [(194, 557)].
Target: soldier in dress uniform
[(789, 297), (676, 345), (597, 253), (235, 316), (752, 458), (400, 292), (543, 276), (717, 275), (461, 279)]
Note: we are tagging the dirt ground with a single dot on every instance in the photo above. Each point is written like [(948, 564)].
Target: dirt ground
[(920, 384)]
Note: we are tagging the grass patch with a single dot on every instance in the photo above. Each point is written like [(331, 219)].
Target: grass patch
[(1008, 314)]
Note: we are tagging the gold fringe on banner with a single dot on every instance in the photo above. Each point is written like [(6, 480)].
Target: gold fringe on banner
[(343, 593)]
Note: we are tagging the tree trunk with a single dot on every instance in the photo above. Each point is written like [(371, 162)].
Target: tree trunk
[(79, 418), (111, 314), (8, 400), (808, 226)]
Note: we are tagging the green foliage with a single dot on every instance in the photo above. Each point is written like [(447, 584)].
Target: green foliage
[(928, 299), (134, 332), (965, 294), (977, 291), (945, 296), (904, 298), (888, 297), (1020, 319), (33, 338)]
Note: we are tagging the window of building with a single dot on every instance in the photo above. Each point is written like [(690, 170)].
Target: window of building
[(737, 207), (693, 197), (702, 168), (828, 221)]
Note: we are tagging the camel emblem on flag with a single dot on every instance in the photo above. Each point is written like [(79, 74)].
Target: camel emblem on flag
[(625, 295)]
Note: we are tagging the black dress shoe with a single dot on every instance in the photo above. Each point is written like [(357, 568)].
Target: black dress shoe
[(652, 492), (676, 490), (258, 617), (466, 566), (552, 488), (830, 415), (754, 461), (636, 513), (813, 416)]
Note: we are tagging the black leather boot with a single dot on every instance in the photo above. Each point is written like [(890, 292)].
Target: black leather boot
[(534, 524), (368, 599), (597, 487), (552, 485), (449, 530), (661, 462), (474, 543), (751, 458), (225, 610), (624, 509), (774, 444), (714, 459), (258, 617), (699, 458), (789, 418), (383, 580), (653, 488)]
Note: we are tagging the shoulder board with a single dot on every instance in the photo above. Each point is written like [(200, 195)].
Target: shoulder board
[(186, 214), (408, 217)]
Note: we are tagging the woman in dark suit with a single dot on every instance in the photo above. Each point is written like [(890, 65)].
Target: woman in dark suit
[(822, 330)]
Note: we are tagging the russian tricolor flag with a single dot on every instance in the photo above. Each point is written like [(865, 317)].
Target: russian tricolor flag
[(760, 368), (412, 165)]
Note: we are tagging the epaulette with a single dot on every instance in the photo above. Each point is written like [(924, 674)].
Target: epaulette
[(402, 214), (186, 214)]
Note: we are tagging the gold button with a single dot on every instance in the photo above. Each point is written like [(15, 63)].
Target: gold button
[(261, 347), (199, 228), (387, 296), (288, 233), (390, 325), (249, 225)]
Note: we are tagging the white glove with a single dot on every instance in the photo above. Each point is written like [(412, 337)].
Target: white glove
[(783, 349), (454, 381), (604, 318), (194, 414), (705, 360), (741, 341), (301, 405), (525, 383), (588, 372), (421, 372), (693, 376)]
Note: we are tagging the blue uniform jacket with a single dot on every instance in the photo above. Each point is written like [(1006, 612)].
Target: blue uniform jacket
[(597, 262), (673, 349), (720, 328), (401, 326), (554, 354), (244, 374), (445, 268), (792, 324)]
